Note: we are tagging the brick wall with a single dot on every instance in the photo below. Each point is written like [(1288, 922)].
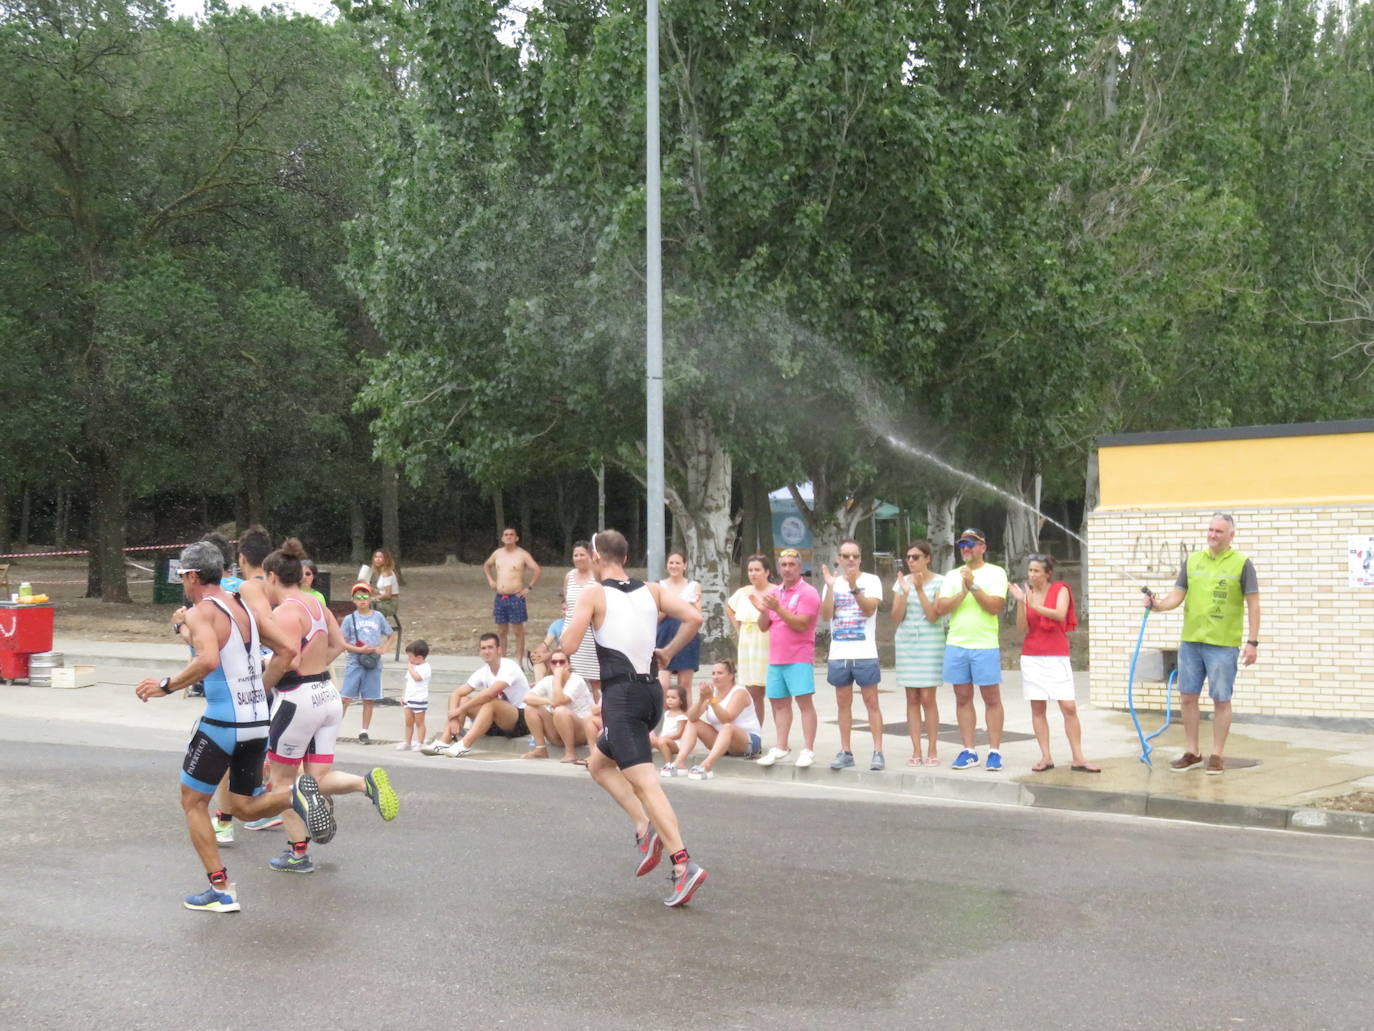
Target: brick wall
[(1317, 634)]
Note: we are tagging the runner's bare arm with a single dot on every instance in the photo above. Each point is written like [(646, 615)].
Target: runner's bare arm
[(581, 619), (336, 638), (270, 633), (205, 641), (671, 605)]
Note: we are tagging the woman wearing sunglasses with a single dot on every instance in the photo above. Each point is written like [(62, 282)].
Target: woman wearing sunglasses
[(920, 648), (557, 709)]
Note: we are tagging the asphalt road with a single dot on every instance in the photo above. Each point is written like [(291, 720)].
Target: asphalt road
[(500, 900)]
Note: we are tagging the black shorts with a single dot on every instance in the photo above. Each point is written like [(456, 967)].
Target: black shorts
[(521, 728), (630, 709), (215, 749)]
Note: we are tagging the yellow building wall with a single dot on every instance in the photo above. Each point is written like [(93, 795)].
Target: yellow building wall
[(1322, 469)]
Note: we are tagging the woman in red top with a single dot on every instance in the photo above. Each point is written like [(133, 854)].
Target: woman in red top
[(1045, 614)]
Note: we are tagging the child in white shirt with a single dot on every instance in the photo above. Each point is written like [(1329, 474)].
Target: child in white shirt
[(415, 697)]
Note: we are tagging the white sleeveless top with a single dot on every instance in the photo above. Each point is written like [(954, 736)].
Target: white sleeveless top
[(748, 718), (626, 638), (233, 692)]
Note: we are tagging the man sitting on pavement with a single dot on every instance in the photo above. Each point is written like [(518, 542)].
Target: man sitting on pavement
[(493, 698)]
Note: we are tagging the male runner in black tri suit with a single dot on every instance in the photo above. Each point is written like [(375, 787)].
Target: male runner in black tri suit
[(622, 615)]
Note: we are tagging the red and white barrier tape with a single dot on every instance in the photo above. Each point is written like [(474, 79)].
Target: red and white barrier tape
[(68, 554)]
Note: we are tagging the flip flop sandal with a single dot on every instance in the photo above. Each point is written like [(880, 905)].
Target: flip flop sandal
[(934, 760), (1043, 767), (915, 761), (1086, 769)]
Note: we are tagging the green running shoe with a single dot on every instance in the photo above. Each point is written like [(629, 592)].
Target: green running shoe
[(381, 792)]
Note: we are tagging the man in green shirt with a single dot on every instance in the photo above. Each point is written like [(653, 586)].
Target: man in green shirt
[(973, 596), (1216, 586)]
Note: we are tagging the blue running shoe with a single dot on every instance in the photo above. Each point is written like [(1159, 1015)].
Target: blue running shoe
[(265, 824), (310, 806), (289, 862), (994, 762), (968, 757), (212, 900)]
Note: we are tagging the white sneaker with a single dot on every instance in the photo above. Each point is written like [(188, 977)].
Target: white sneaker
[(773, 755), (224, 832), (457, 749), (433, 748), (670, 770), (806, 758), (415, 746), (403, 747)]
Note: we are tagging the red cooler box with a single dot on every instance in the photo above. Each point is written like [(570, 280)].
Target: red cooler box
[(24, 630)]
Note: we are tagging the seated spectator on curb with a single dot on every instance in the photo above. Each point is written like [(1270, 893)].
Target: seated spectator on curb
[(539, 659), (725, 721), (557, 709), (669, 735), (495, 703)]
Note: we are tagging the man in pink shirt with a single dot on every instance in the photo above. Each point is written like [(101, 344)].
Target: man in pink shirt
[(787, 614)]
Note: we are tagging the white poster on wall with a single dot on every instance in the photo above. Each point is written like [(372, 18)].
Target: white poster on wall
[(1362, 561)]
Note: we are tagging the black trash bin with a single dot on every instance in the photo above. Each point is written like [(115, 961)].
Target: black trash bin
[(166, 587), (322, 583)]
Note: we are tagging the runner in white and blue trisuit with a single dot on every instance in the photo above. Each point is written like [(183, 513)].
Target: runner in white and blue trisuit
[(622, 616), (232, 735)]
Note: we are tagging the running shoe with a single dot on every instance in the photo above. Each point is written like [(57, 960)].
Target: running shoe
[(265, 824), (310, 806), (457, 749), (700, 773), (878, 763), (685, 885), (968, 757), (994, 762), (224, 832), (843, 760), (649, 846), (773, 755), (433, 748), (289, 862), (806, 758), (362, 736), (381, 792), (213, 900)]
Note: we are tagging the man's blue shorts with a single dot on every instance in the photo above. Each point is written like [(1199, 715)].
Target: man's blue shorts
[(847, 672), (361, 683), (790, 680), (981, 666), (508, 608), (1214, 662)]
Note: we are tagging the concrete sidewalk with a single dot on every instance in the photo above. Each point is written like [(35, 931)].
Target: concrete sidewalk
[(1275, 774)]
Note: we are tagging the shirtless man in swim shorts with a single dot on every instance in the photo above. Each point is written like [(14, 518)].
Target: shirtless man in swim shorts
[(505, 570)]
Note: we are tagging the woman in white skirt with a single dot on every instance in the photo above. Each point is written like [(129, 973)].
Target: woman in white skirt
[(752, 656), (584, 661), (1045, 614)]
